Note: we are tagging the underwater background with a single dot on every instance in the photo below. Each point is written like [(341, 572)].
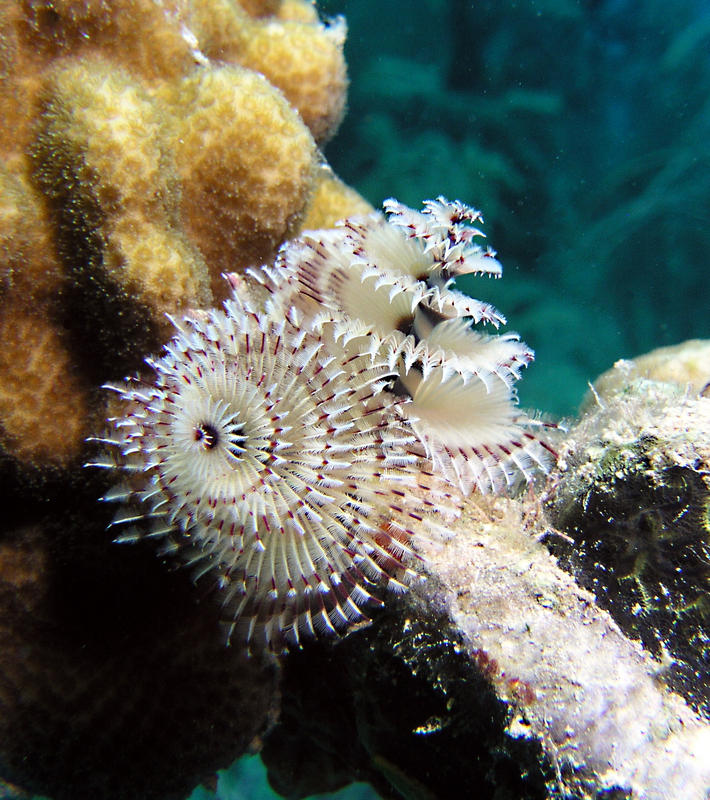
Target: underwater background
[(581, 130)]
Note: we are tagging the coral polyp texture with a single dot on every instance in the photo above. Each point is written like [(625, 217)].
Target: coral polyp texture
[(147, 147), (278, 464), (393, 279)]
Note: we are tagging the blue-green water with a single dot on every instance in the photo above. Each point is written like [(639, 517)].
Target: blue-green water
[(246, 780), (580, 129)]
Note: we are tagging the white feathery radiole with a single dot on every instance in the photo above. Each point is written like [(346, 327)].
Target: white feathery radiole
[(294, 453), (274, 461), (393, 278)]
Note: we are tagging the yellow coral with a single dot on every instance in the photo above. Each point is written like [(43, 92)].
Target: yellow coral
[(298, 55), (29, 270), (138, 161), (332, 200), (687, 363), (103, 158), (317, 92), (148, 147), (297, 10), (266, 159), (261, 8), (44, 403)]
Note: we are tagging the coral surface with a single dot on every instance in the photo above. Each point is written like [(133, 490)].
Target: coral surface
[(686, 364), (405, 701), (112, 673), (147, 147), (632, 493)]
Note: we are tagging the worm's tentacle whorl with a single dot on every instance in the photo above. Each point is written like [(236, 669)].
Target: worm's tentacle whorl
[(274, 460)]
